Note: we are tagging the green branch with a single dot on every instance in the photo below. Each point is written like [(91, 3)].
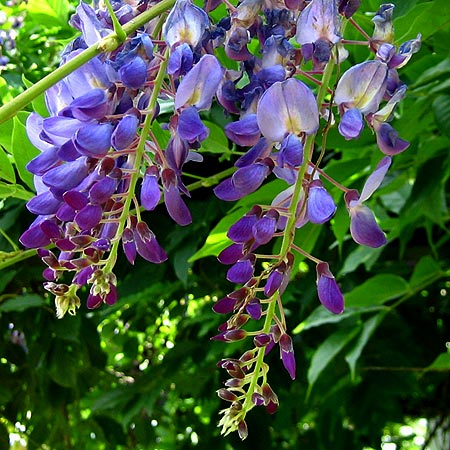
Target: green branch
[(107, 44)]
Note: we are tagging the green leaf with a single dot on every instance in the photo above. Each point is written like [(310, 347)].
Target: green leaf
[(368, 329), (14, 190), (50, 12), (6, 167), (321, 316), (377, 290), (216, 142), (23, 152), (361, 255), (39, 105), (326, 352), (442, 362), (22, 303), (426, 270), (441, 110)]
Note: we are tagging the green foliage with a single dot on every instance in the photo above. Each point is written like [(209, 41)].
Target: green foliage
[(142, 374)]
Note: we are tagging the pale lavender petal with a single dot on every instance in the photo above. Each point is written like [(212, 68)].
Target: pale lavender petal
[(291, 152), (364, 228), (44, 161), (320, 204), (351, 123), (375, 179), (125, 132), (244, 132), (388, 140)]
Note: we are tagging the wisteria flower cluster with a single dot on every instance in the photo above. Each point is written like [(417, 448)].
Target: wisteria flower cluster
[(100, 164)]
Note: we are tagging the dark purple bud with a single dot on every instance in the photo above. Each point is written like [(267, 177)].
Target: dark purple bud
[(275, 332), (242, 230), (102, 190), (348, 7), (111, 296), (65, 213), (82, 277), (261, 340), (125, 131), (254, 308), (76, 200), (274, 280), (89, 217), (328, 290), (94, 140), (102, 244), (93, 301), (43, 204), (231, 254), (351, 124), (270, 398), (65, 245), (320, 204), (257, 399), (226, 395), (134, 73), (190, 127), (242, 430), (129, 248), (146, 244), (82, 240), (234, 335), (241, 271), (288, 359), (225, 305), (244, 132)]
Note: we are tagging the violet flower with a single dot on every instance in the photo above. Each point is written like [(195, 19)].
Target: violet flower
[(328, 290), (363, 226)]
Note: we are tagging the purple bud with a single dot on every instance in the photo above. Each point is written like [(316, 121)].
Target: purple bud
[(180, 61), (226, 395), (241, 271), (125, 131), (225, 305), (249, 178), (150, 191), (254, 308), (134, 73), (76, 200), (231, 254), (94, 140), (43, 204), (328, 290), (91, 105), (364, 228), (242, 430), (93, 301), (265, 227), (129, 248), (66, 176), (34, 237), (89, 217), (102, 190), (190, 127), (257, 399), (388, 140), (291, 151), (146, 244), (274, 280), (288, 359), (351, 124), (176, 207), (320, 204), (262, 339), (242, 230)]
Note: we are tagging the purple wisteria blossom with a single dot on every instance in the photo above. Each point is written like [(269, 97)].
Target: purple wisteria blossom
[(363, 226)]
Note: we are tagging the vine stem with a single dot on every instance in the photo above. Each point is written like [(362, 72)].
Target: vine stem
[(140, 149), (107, 44)]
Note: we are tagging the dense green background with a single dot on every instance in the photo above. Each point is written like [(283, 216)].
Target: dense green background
[(142, 374)]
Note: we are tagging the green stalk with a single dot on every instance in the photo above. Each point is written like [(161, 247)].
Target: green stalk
[(137, 162), (107, 44)]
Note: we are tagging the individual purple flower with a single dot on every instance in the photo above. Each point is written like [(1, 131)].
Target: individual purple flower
[(287, 354), (200, 84), (291, 152), (242, 230), (384, 26), (318, 29), (245, 131), (186, 23), (320, 204), (181, 60), (150, 190), (231, 254), (242, 270), (125, 132), (294, 106), (328, 290), (190, 127), (129, 247), (146, 244), (175, 205), (360, 88), (363, 226)]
